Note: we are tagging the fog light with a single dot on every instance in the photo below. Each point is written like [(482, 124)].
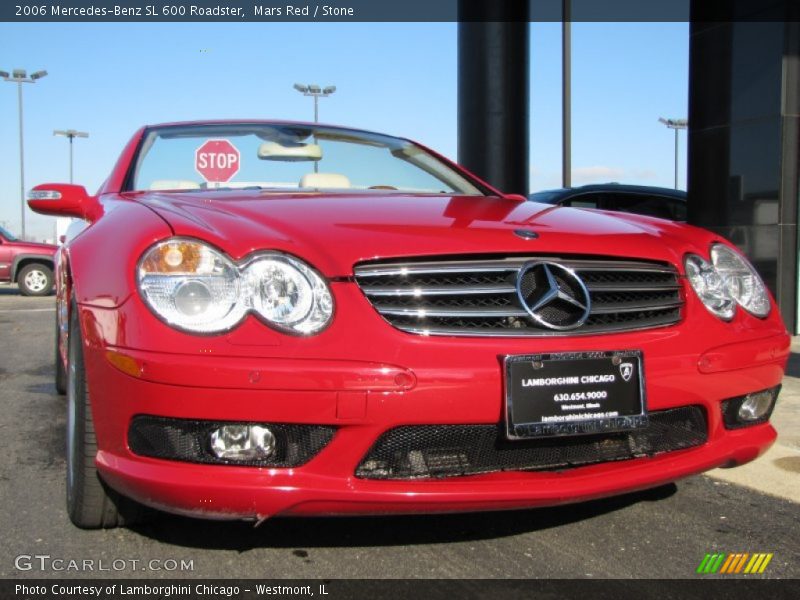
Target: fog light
[(755, 406), (751, 409), (242, 442)]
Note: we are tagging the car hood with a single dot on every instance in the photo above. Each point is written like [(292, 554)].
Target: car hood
[(336, 231), (34, 247)]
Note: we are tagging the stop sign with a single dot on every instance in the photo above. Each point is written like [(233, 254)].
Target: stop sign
[(217, 160)]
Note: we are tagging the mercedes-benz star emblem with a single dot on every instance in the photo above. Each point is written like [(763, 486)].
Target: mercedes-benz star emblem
[(554, 286)]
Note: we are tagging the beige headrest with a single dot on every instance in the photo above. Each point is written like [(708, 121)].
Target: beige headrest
[(324, 181), (174, 184)]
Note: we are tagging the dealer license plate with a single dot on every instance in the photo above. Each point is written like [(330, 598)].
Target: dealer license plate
[(574, 393)]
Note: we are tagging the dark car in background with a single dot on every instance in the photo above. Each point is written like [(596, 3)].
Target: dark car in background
[(664, 203), (29, 264)]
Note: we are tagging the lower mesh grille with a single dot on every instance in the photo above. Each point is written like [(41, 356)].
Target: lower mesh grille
[(188, 440), (422, 451)]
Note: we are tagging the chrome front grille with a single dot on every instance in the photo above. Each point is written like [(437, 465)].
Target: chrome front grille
[(479, 297)]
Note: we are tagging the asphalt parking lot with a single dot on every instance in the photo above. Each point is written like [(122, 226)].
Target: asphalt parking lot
[(662, 533)]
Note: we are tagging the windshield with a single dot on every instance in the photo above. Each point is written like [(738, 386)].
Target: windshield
[(7, 235), (289, 157)]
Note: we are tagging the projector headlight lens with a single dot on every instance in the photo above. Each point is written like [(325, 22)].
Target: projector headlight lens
[(741, 280), (196, 288), (709, 287)]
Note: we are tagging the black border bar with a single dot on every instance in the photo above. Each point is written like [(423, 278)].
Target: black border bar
[(699, 588), (147, 11)]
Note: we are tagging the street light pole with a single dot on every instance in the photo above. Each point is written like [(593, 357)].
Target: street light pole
[(71, 134), (676, 158), (676, 124), (21, 163), (312, 89), (20, 76)]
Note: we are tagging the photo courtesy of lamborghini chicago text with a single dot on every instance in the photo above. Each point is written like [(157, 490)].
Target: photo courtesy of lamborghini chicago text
[(374, 298)]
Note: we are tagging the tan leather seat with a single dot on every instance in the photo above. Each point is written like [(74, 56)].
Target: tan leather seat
[(174, 184)]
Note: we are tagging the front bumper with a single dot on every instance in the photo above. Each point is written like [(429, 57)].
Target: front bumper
[(243, 493), (412, 380)]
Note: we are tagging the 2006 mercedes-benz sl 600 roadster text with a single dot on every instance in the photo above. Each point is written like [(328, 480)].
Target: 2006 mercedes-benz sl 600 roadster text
[(270, 318)]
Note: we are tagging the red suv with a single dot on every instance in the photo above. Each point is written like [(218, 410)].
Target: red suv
[(29, 264)]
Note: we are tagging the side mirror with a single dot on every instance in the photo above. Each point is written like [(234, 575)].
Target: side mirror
[(64, 200), (515, 197)]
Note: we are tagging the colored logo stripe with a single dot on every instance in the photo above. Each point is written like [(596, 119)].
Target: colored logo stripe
[(729, 563), (734, 563), (711, 563), (703, 564), (758, 563)]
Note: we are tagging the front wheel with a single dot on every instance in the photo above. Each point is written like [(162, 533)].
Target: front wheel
[(61, 372), (91, 504), (35, 280)]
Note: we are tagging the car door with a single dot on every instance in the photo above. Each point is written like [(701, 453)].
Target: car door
[(5, 260)]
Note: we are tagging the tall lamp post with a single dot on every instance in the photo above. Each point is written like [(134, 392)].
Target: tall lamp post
[(312, 89), (20, 76), (676, 124), (71, 134)]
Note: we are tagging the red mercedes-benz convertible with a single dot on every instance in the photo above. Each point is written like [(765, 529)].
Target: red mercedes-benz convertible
[(269, 318)]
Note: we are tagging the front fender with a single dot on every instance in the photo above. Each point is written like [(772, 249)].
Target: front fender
[(102, 259)]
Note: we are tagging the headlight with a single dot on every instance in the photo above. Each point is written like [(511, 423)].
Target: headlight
[(288, 293), (196, 288), (191, 286), (743, 283), (726, 281)]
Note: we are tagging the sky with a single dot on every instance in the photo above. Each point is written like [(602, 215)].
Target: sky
[(109, 79)]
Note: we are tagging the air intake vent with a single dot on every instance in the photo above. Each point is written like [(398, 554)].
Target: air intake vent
[(429, 451)]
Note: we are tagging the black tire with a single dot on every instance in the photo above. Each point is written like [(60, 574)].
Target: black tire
[(91, 504), (35, 279), (61, 372)]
